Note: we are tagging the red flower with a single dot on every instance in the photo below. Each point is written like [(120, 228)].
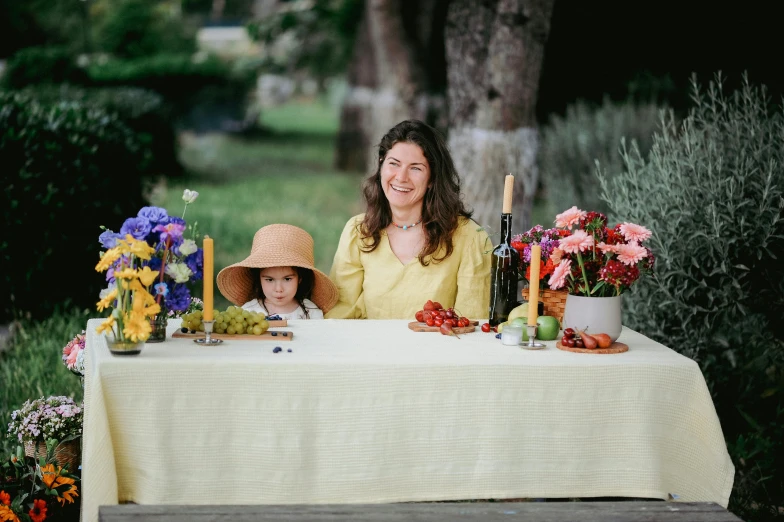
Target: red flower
[(5, 498), (38, 511)]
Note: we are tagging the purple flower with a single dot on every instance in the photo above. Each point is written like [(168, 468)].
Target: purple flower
[(179, 298), (195, 262), (171, 231), (177, 221), (137, 227), (109, 239), (154, 215)]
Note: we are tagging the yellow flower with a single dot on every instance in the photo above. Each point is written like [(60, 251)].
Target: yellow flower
[(69, 494), (109, 257), (124, 245), (136, 286), (154, 309), (107, 301), (141, 249), (147, 276), (126, 273), (106, 326), (137, 328), (138, 301), (7, 515)]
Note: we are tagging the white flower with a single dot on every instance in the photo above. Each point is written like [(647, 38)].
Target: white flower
[(179, 272), (188, 247), (79, 367), (189, 196), (106, 291)]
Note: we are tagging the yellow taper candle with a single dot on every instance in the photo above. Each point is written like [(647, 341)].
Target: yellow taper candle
[(208, 277), (533, 285), (508, 186)]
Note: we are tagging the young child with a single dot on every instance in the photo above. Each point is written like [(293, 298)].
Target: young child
[(278, 277)]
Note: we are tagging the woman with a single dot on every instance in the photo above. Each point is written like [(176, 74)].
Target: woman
[(416, 241)]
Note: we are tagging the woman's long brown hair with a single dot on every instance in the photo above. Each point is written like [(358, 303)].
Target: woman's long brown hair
[(442, 205)]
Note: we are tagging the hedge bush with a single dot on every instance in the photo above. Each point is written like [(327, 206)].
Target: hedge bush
[(68, 168), (571, 144), (144, 111), (712, 192), (42, 65), (188, 83)]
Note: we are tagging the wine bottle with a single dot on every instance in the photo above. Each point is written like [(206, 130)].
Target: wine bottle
[(506, 264)]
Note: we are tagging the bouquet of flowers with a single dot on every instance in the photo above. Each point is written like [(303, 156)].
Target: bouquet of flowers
[(593, 259), (34, 490), (56, 417), (73, 354), (149, 265), (548, 239)]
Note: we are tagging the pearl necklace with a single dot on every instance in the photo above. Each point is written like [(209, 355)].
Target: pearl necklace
[(406, 227)]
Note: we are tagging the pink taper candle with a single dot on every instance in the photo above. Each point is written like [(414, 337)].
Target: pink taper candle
[(533, 285), (208, 276)]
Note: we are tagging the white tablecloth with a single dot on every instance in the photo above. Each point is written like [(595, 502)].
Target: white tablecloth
[(369, 411)]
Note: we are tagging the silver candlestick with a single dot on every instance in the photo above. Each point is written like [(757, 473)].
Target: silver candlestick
[(208, 332), (532, 344)]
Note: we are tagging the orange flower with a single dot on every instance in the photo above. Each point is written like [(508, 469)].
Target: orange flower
[(6, 515), (5, 498), (53, 480), (38, 511)]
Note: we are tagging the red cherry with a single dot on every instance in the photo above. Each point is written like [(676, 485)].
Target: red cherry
[(486, 327), (430, 322), (420, 316)]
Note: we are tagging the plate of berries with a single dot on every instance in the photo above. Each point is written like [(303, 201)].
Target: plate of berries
[(579, 341)]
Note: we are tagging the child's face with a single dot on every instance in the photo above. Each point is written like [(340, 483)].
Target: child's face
[(279, 285)]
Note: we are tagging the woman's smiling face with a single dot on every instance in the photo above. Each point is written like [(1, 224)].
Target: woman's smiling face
[(405, 176)]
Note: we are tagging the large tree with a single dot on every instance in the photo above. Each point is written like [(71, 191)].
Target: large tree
[(396, 73), (494, 52)]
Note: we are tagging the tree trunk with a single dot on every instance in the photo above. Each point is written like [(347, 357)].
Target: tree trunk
[(388, 78), (494, 53)]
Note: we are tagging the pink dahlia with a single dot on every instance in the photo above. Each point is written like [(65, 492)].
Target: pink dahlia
[(631, 253), (577, 242), (607, 249), (558, 278), (569, 217), (634, 233)]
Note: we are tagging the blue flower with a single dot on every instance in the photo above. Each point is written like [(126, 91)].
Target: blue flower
[(155, 263), (177, 221), (195, 262), (179, 298), (161, 289), (109, 239), (154, 215), (137, 227)]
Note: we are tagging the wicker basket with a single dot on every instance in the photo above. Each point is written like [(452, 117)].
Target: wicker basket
[(554, 301), (68, 452)]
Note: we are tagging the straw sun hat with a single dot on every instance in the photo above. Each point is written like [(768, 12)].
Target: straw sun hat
[(276, 245)]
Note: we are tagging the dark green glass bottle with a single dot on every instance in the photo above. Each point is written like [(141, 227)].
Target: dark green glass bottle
[(503, 275)]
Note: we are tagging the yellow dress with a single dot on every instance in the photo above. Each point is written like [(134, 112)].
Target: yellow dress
[(377, 285)]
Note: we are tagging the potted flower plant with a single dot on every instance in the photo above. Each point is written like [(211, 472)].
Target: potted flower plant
[(73, 354), (596, 264), (175, 261), (41, 420)]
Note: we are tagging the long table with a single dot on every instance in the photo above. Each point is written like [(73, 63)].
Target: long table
[(371, 412)]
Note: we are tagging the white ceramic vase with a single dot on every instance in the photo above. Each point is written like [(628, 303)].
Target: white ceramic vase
[(594, 314)]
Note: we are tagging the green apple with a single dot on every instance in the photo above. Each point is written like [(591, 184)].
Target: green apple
[(548, 328), (519, 311)]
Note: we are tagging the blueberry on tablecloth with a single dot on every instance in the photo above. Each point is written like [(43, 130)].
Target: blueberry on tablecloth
[(289, 350), (277, 349)]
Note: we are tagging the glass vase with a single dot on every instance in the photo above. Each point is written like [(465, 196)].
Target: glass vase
[(124, 347), (158, 325)]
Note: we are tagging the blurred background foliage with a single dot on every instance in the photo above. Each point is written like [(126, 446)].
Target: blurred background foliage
[(107, 105)]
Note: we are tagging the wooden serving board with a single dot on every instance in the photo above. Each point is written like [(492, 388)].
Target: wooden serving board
[(422, 327), (277, 323), (266, 336), (615, 347)]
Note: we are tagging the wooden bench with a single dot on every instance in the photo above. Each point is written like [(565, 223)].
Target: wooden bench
[(623, 511)]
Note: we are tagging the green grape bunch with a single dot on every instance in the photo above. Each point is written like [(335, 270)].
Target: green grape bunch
[(233, 321)]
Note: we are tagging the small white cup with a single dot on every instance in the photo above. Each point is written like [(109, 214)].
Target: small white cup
[(512, 335)]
